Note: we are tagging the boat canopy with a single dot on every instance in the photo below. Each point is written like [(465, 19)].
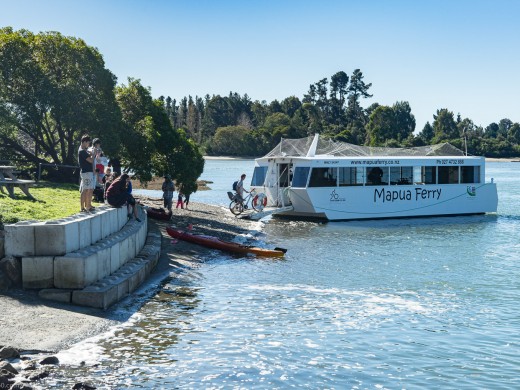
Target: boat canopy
[(302, 147)]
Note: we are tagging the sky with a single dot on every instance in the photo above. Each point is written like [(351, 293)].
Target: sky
[(462, 55)]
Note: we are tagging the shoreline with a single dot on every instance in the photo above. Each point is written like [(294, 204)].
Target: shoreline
[(32, 324)]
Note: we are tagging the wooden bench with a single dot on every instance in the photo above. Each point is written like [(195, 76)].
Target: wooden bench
[(22, 184)]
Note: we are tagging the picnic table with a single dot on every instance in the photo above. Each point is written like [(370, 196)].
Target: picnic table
[(9, 180)]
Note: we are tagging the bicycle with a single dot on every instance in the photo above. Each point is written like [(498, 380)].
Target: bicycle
[(237, 207)]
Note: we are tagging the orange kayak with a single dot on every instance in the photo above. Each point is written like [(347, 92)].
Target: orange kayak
[(216, 243)]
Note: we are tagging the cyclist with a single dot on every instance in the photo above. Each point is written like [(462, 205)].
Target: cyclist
[(240, 188)]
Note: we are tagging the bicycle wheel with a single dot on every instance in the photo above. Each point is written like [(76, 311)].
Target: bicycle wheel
[(236, 208)]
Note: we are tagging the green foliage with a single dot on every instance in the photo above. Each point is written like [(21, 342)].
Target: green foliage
[(444, 126), (233, 141), (53, 89), (151, 146)]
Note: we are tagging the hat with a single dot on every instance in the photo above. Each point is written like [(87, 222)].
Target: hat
[(167, 176), (96, 141)]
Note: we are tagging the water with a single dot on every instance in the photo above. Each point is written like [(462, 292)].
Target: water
[(411, 303)]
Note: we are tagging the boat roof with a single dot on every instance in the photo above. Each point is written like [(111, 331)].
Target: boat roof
[(321, 147)]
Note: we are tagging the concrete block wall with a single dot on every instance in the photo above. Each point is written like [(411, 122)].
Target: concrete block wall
[(78, 269), (73, 252), (65, 235)]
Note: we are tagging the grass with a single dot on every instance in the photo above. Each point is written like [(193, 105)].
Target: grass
[(53, 200)]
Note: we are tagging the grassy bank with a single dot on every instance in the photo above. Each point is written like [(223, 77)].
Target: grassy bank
[(53, 200)]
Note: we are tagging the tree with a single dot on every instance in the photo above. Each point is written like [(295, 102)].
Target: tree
[(233, 141), (503, 127), (404, 120), (444, 126), (381, 126), (491, 130), (53, 89), (514, 134), (151, 147), (427, 133)]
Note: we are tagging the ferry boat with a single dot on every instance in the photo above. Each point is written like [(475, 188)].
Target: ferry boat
[(322, 179)]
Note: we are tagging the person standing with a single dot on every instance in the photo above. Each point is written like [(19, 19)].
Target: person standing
[(240, 187), (179, 199), (168, 187), (85, 162), (186, 200)]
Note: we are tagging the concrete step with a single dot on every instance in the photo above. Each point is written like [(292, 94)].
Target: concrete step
[(111, 289), (80, 268)]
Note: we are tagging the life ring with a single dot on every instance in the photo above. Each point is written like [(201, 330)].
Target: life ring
[(260, 201)]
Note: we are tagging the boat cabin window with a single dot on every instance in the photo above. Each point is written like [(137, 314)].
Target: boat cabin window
[(351, 176), (401, 175), (259, 176), (448, 175), (300, 176), (323, 177), (429, 175), (470, 174), (377, 176)]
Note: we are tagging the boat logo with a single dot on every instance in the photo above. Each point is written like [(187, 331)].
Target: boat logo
[(334, 197), (471, 190)]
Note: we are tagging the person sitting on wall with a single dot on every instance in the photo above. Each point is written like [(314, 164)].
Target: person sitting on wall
[(118, 195)]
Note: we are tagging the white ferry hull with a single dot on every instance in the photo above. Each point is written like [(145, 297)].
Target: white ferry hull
[(354, 203)]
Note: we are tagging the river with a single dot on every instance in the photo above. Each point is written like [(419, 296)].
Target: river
[(409, 303)]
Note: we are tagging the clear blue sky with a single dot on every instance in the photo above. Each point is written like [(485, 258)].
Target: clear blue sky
[(457, 54)]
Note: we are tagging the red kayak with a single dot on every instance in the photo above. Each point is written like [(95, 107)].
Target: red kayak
[(216, 243), (159, 213)]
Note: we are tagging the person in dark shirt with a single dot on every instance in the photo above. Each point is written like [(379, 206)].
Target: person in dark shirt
[(86, 188), (117, 196)]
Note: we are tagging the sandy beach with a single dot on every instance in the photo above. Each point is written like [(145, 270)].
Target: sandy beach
[(29, 323)]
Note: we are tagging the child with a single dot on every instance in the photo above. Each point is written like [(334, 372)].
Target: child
[(179, 200)]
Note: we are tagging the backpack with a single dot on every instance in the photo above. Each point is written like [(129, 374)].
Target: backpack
[(235, 185)]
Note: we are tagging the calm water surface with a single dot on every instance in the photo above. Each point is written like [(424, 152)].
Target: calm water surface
[(411, 303)]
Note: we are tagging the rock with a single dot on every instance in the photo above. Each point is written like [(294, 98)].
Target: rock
[(83, 386), (5, 379), (5, 282), (9, 352), (5, 383), (12, 267), (8, 367), (29, 366), (50, 360), (37, 375), (21, 386)]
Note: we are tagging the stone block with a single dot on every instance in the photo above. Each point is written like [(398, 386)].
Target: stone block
[(137, 278), (112, 217), (38, 272), (56, 237), (115, 260), (75, 270), (19, 239), (105, 222), (122, 214), (103, 259), (84, 230), (57, 295), (100, 296), (95, 228)]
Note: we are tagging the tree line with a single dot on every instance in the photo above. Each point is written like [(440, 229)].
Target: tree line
[(235, 125)]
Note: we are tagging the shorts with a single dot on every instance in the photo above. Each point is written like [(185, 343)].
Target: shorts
[(87, 181)]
